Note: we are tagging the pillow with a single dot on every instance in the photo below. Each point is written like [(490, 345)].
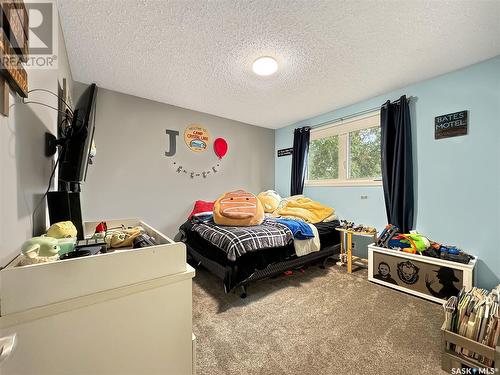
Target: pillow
[(201, 208), (270, 200), (238, 208)]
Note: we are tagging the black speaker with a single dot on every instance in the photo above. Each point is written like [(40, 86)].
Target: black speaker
[(64, 206)]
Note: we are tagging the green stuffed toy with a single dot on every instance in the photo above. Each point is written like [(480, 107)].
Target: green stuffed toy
[(39, 250)]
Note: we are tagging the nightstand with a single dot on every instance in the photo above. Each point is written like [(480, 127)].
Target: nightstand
[(347, 257)]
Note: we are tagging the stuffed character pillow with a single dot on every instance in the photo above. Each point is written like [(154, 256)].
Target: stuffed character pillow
[(239, 209), (270, 200)]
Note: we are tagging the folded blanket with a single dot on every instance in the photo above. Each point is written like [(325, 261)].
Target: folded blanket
[(304, 247), (306, 209), (300, 229), (236, 241)]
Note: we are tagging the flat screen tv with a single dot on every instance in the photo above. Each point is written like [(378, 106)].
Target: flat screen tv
[(77, 144)]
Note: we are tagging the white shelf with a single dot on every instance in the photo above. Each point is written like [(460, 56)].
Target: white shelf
[(27, 287)]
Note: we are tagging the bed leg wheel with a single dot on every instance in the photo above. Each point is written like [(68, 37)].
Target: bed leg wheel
[(323, 264), (243, 292)]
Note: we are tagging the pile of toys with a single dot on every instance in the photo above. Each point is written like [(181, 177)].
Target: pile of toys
[(60, 243), (416, 243), (349, 225)]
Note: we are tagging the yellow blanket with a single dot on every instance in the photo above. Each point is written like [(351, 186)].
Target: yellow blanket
[(306, 209)]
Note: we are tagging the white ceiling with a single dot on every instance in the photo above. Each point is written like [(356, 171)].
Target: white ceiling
[(198, 54)]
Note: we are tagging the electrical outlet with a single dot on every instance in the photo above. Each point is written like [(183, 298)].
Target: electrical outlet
[(364, 197)]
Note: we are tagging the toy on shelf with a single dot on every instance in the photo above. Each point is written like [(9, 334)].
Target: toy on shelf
[(122, 237), (359, 228), (39, 250), (62, 229), (349, 229), (386, 235)]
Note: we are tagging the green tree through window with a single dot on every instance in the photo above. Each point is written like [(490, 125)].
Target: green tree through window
[(347, 153), (364, 154), (323, 162)]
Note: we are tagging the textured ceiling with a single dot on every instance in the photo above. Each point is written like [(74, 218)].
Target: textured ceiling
[(198, 54)]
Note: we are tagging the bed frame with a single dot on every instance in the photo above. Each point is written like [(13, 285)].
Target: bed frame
[(223, 271)]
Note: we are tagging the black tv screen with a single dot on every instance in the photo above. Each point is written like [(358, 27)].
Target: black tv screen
[(78, 142)]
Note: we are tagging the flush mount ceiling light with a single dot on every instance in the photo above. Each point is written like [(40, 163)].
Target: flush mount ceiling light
[(265, 66)]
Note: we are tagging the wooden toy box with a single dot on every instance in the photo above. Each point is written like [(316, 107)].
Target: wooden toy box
[(431, 278)]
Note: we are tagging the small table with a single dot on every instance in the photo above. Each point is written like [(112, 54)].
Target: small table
[(357, 260)]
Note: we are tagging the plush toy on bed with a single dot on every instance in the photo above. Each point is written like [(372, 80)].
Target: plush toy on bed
[(239, 209), (270, 200)]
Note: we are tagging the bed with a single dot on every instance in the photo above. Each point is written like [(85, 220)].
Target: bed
[(238, 268)]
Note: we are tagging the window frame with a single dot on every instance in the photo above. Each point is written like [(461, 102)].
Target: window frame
[(342, 129)]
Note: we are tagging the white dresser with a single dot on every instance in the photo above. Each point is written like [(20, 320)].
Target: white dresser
[(126, 312)]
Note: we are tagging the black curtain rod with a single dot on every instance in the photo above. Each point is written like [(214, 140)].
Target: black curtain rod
[(330, 122)]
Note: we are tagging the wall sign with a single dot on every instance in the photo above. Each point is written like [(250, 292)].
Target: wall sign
[(285, 152), (195, 173), (172, 142), (451, 125), (197, 138)]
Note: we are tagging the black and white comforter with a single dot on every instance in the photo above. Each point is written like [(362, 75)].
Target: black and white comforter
[(236, 241)]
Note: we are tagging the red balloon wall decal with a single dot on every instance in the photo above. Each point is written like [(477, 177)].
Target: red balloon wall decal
[(220, 147)]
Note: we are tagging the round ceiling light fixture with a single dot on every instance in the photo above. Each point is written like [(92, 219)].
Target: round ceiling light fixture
[(265, 66)]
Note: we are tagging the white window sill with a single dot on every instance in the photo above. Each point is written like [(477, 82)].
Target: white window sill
[(343, 183)]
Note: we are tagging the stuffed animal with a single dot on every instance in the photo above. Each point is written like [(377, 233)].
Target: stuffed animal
[(39, 250), (123, 238), (63, 229), (238, 208), (270, 200)]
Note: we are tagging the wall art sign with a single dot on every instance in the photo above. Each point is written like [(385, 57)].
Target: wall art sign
[(197, 138), (196, 135), (285, 152), (172, 142), (220, 147), (451, 125), (180, 169)]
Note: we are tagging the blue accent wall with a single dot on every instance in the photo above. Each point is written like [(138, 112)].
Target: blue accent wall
[(457, 180)]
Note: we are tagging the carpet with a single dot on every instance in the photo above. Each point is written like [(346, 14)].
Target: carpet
[(322, 321)]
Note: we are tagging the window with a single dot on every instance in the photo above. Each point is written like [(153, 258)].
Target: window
[(347, 153)]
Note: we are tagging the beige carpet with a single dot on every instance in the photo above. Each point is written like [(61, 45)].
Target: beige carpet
[(323, 321)]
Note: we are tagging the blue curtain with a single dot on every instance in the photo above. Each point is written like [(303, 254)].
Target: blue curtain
[(299, 159), (397, 163)]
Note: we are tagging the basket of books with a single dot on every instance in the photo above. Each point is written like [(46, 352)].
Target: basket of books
[(471, 330)]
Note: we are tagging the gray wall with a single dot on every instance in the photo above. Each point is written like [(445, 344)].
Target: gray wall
[(132, 177), (24, 169)]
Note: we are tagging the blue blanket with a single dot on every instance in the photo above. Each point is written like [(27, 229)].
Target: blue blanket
[(300, 229)]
